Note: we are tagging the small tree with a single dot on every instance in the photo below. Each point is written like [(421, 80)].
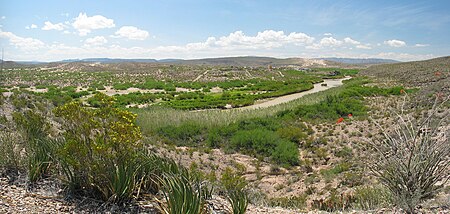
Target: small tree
[(412, 158)]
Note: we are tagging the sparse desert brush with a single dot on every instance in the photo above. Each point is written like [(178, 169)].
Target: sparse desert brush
[(412, 160)]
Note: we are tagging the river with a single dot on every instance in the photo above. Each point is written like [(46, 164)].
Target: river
[(330, 83)]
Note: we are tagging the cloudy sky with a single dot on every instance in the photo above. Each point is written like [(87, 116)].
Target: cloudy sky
[(54, 30)]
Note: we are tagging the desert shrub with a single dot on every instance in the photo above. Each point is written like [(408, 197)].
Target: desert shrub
[(329, 174), (296, 202), (332, 107), (292, 133), (256, 141), (132, 98), (334, 202), (100, 147), (371, 197), (231, 180), (187, 133), (214, 138), (286, 153), (345, 152), (265, 143), (352, 178), (412, 160)]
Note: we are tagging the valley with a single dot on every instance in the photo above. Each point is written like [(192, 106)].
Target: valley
[(290, 137)]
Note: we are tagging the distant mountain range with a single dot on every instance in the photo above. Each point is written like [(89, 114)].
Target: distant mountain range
[(237, 61), (109, 60), (360, 61)]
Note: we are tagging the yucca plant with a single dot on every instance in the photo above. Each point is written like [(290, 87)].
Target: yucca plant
[(41, 154), (122, 182), (153, 167), (182, 195), (10, 158), (238, 200)]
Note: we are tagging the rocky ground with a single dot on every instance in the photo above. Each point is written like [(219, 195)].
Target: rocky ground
[(16, 196)]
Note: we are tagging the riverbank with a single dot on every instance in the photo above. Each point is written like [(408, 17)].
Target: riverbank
[(326, 84)]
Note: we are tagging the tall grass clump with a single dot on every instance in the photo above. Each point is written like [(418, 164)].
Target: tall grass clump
[(413, 158)]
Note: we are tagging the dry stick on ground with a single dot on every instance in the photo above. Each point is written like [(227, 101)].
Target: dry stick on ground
[(412, 160)]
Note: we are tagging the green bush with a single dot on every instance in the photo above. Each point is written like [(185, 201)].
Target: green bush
[(186, 134), (292, 133), (99, 142), (256, 141), (286, 153)]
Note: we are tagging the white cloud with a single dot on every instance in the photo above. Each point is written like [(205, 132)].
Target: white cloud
[(26, 44), (367, 47), (357, 44), (50, 26), (85, 24), (403, 56), (395, 43), (32, 26), (325, 42), (132, 32), (96, 41), (265, 43), (3, 17), (328, 34), (421, 45), (351, 41), (330, 41), (266, 39)]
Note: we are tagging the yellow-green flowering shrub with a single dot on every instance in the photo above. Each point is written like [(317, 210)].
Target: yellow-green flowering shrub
[(99, 154)]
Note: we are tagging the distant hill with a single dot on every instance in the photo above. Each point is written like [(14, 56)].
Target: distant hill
[(260, 61), (109, 60), (252, 61), (360, 61), (431, 76), (169, 60)]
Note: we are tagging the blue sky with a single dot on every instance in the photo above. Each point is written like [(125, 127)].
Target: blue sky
[(55, 30)]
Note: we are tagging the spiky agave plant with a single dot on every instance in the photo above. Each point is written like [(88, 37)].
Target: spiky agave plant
[(413, 158)]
